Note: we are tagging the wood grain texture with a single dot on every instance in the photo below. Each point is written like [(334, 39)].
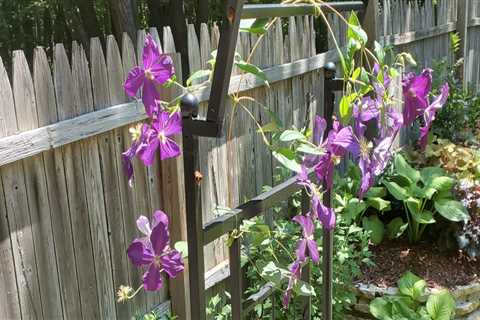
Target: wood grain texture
[(75, 182), (139, 188), (9, 298), (57, 189), (18, 213), (36, 185), (101, 236)]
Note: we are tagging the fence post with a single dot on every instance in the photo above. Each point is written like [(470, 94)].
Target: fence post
[(193, 202), (462, 29), (329, 99), (369, 18)]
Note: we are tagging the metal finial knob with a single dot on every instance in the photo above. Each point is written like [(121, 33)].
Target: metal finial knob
[(330, 70), (189, 105)]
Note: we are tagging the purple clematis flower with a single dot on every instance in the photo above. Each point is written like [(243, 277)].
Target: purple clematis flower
[(306, 246), (154, 251), (325, 215), (158, 137), (415, 92), (430, 114), (139, 134), (156, 70), (336, 145), (295, 275)]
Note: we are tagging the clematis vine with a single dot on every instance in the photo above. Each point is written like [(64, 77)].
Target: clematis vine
[(430, 114), (157, 69), (153, 251)]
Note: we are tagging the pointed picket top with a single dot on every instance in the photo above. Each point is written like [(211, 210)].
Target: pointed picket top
[(168, 41), (193, 49), (115, 72), (215, 36), (8, 120), (154, 33), (23, 92), (98, 67), (140, 43), (63, 81), (44, 89), (81, 77), (129, 58), (205, 46)]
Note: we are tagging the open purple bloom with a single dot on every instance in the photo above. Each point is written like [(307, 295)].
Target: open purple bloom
[(430, 114), (139, 134), (295, 275), (156, 70), (153, 251), (415, 94), (159, 137), (336, 145), (306, 246)]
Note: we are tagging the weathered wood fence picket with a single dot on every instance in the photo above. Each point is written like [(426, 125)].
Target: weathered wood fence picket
[(67, 213)]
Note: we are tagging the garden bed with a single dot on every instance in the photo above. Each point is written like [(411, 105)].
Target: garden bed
[(439, 268)]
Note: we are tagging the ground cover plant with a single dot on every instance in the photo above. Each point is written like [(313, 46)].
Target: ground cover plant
[(367, 102)]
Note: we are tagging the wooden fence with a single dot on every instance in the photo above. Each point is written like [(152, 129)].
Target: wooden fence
[(67, 212)]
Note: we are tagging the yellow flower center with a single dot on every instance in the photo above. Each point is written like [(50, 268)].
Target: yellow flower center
[(162, 137), (157, 262), (336, 159), (149, 75), (136, 132), (365, 146)]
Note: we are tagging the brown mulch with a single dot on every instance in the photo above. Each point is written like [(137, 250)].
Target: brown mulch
[(446, 269)]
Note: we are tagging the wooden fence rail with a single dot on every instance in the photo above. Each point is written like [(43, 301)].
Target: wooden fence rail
[(67, 213)]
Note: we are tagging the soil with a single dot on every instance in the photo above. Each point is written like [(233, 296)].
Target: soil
[(439, 268)]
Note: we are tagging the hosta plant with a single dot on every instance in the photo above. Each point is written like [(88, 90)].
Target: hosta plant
[(413, 302), (424, 194)]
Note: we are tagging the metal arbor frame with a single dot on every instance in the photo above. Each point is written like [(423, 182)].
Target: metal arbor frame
[(199, 234)]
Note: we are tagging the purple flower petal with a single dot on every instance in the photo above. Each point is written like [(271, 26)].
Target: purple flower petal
[(300, 252), (127, 158), (313, 250), (159, 238), (150, 96), (147, 154), (162, 69), (319, 129), (415, 91), (295, 274), (160, 217), (169, 149), (139, 254), (173, 124), (151, 53), (172, 263), (326, 216), (134, 81), (144, 225), (152, 280)]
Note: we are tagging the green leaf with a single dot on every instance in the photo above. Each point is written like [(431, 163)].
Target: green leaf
[(182, 247), (404, 169), (379, 51), (378, 203), (396, 191), (375, 192), (412, 286), (306, 148), (269, 127), (381, 309), (287, 158), (303, 288), (291, 135), (353, 208), (441, 183), (375, 226), (345, 110), (396, 228), (441, 305), (355, 31), (424, 217), (252, 69), (256, 26), (451, 209), (429, 173), (275, 274), (198, 75)]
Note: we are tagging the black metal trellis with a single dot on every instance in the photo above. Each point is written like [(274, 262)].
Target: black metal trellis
[(199, 234)]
